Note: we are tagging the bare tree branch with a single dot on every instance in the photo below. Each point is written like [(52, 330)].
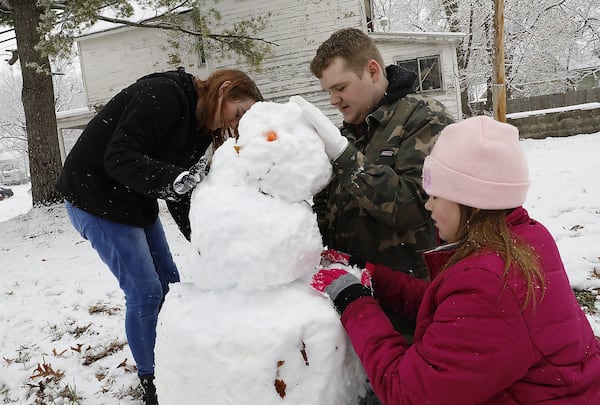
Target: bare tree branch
[(165, 25)]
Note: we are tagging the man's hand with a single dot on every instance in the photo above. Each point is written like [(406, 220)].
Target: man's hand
[(186, 181), (335, 143)]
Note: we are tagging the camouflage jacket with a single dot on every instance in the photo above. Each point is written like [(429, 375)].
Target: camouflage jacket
[(373, 208)]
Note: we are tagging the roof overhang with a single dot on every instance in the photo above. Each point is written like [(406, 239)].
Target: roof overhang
[(418, 37)]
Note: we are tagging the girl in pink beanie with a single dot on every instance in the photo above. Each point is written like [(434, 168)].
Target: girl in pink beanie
[(498, 322)]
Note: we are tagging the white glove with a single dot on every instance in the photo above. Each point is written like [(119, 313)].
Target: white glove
[(335, 143)]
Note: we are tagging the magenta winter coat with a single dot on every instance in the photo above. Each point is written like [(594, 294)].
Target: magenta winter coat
[(473, 344)]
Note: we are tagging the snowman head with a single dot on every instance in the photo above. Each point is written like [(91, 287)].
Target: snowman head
[(278, 152)]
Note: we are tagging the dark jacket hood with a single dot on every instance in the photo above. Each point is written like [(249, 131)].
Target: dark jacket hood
[(401, 83)]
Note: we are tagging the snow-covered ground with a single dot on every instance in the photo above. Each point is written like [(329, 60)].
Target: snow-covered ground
[(62, 338)]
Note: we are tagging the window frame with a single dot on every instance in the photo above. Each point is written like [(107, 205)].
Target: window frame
[(418, 61)]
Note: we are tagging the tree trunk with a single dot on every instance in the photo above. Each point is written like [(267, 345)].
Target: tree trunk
[(462, 53), (499, 85), (464, 101), (38, 103)]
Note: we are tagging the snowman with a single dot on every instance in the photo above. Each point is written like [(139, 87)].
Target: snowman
[(244, 327)]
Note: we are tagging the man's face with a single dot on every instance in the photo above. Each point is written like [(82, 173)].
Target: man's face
[(355, 97)]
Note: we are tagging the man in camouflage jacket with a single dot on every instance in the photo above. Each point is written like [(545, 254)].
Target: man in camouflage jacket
[(373, 209)]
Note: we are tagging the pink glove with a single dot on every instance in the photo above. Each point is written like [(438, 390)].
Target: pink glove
[(342, 287), (367, 275), (323, 278), (329, 256)]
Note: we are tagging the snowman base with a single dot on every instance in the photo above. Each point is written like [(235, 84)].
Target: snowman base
[(282, 345)]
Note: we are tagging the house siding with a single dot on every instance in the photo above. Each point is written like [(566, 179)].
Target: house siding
[(112, 59), (297, 29)]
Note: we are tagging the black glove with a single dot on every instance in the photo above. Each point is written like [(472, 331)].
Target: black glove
[(187, 180)]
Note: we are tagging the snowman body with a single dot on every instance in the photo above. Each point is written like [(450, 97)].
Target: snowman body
[(245, 327)]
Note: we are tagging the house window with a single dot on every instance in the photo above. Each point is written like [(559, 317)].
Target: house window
[(428, 71)]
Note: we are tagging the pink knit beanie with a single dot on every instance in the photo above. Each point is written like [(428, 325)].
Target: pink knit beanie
[(478, 162)]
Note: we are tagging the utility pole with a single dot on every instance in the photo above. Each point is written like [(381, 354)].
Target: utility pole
[(499, 84)]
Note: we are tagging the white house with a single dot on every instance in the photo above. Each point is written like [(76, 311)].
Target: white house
[(114, 57), (433, 56)]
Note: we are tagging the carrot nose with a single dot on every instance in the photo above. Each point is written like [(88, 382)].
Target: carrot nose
[(271, 136)]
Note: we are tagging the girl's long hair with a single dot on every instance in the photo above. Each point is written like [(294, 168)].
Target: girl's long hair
[(241, 88), (485, 230)]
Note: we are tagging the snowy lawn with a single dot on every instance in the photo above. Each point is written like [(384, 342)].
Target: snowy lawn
[(62, 338)]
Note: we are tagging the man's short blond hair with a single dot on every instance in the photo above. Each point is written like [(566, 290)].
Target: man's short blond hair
[(354, 46)]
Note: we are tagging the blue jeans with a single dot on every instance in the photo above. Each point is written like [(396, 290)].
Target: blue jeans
[(141, 261)]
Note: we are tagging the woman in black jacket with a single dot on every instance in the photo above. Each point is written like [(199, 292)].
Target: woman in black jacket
[(148, 143)]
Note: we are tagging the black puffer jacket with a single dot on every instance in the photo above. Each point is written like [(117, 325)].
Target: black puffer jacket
[(131, 152)]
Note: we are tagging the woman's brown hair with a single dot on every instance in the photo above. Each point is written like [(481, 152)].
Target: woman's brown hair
[(484, 230), (241, 88)]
